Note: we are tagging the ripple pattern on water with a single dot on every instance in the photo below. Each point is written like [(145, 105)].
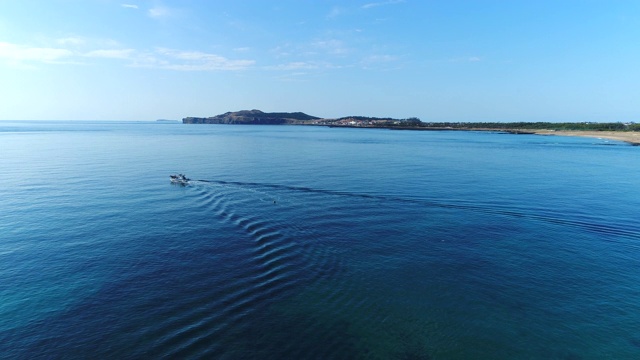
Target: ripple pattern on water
[(276, 263)]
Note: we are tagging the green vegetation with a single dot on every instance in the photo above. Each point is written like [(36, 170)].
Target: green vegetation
[(253, 117), (292, 115), (584, 126), (299, 118)]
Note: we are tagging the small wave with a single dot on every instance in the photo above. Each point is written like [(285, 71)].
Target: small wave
[(277, 264), (591, 225), (281, 263)]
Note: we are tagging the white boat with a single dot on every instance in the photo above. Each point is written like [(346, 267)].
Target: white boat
[(180, 179)]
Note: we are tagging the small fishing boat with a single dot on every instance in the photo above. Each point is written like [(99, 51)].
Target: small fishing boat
[(179, 179)]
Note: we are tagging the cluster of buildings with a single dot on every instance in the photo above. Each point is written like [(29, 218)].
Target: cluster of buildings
[(350, 121)]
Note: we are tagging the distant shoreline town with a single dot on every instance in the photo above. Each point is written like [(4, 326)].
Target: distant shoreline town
[(628, 132)]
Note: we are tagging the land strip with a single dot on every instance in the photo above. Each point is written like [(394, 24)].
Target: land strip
[(632, 137), (627, 132)]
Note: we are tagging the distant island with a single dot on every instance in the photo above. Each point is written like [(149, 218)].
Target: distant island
[(629, 132), (167, 121)]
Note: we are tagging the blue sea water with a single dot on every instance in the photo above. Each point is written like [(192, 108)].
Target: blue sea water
[(318, 243)]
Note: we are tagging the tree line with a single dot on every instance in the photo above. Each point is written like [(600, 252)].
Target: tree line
[(585, 126)]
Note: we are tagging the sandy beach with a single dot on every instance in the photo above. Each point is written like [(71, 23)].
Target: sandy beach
[(631, 137)]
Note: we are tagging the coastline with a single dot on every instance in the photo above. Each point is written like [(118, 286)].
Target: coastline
[(631, 137), (628, 132)]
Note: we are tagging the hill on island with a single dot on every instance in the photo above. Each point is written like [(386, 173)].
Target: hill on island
[(254, 117), (257, 117)]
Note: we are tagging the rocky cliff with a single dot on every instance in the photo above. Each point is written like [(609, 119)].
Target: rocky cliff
[(254, 117)]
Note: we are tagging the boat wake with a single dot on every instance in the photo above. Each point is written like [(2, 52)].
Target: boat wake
[(628, 230), (276, 259), (289, 287)]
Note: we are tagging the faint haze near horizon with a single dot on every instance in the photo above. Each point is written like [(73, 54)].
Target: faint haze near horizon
[(436, 60)]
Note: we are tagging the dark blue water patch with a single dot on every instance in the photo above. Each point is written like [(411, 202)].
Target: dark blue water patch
[(150, 290), (297, 335)]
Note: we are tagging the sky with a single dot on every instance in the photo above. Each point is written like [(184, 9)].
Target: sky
[(445, 60)]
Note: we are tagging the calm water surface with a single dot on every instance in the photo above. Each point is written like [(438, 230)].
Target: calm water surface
[(303, 242)]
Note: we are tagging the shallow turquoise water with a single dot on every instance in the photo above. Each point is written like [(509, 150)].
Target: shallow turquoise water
[(302, 242)]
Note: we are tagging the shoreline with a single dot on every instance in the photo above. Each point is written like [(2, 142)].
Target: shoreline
[(631, 137)]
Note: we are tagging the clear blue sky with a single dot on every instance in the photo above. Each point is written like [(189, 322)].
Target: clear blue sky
[(443, 60)]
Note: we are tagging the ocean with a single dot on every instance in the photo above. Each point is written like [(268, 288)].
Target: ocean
[(295, 242)]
